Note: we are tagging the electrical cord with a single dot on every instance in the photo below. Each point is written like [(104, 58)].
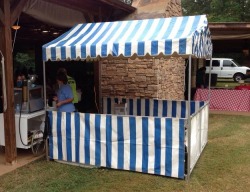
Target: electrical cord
[(37, 142), (19, 125), (14, 40)]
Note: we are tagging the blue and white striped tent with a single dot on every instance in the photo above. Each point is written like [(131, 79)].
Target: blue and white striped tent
[(85, 138), (160, 37)]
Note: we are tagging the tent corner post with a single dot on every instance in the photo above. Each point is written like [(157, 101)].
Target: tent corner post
[(44, 87), (209, 79), (189, 120)]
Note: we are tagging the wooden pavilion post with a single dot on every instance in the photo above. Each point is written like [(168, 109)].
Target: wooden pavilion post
[(9, 116), (8, 15)]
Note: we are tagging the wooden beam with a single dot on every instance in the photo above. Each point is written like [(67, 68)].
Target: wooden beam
[(100, 15), (89, 18), (84, 6), (230, 26), (119, 5), (92, 6), (1, 17), (16, 10), (9, 115)]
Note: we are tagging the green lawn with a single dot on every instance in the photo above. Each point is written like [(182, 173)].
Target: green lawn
[(223, 166), (230, 83)]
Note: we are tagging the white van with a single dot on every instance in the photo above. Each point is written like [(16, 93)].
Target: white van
[(228, 68)]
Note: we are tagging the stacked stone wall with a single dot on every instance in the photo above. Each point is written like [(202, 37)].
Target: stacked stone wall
[(148, 9), (143, 78), (171, 78), (173, 8)]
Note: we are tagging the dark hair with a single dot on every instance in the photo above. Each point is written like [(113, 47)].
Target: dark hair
[(62, 77), (62, 70)]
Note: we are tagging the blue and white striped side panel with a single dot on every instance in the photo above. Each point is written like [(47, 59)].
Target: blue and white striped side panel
[(142, 144), (153, 107)]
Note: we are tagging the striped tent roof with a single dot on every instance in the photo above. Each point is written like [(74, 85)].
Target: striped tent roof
[(161, 37)]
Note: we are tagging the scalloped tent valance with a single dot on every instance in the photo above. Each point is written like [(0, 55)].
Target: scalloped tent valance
[(161, 37)]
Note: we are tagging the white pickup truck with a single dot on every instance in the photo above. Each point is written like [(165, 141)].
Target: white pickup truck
[(228, 68)]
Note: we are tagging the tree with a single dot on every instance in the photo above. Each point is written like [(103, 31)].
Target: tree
[(195, 7), (219, 10), (24, 60)]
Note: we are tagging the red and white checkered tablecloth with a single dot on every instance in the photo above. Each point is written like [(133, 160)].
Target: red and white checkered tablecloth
[(225, 99)]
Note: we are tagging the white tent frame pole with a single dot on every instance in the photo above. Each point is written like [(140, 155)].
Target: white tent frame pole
[(209, 84), (44, 87), (45, 104), (189, 120)]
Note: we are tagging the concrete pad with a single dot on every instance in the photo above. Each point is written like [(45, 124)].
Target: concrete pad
[(24, 156)]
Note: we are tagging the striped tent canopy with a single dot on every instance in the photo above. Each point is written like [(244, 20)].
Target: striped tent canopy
[(161, 37)]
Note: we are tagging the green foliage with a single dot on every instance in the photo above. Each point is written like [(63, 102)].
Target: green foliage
[(24, 60), (219, 10), (195, 7)]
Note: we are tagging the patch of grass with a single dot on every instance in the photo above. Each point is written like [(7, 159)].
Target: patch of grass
[(223, 166), (223, 82)]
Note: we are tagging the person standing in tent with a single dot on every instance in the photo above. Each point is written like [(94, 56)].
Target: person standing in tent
[(201, 78), (72, 83), (64, 96)]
